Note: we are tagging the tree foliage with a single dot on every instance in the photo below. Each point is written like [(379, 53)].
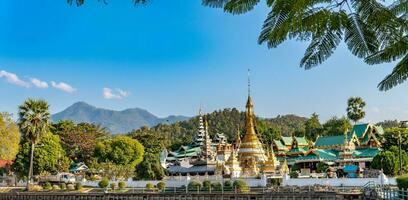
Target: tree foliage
[(355, 108), (10, 137), (48, 157), (391, 138), (386, 160), (313, 127), (120, 150), (372, 29), (79, 140), (336, 126)]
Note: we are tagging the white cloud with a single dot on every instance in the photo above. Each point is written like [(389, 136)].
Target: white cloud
[(63, 86), (39, 83), (108, 93), (13, 79)]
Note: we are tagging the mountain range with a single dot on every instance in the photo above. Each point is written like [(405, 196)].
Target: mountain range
[(115, 121)]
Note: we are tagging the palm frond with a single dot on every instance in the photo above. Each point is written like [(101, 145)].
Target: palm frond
[(240, 6), (214, 3), (399, 7), (321, 47), (360, 39), (398, 75), (389, 53), (276, 26)]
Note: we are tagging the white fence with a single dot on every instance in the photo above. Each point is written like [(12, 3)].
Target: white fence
[(346, 182)]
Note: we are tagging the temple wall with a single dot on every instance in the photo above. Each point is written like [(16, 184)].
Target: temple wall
[(184, 180), (337, 182)]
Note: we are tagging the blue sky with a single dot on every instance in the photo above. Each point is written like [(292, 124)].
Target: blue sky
[(170, 57)]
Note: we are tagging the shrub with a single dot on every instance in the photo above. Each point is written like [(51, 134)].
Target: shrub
[(194, 185), (78, 186), (70, 187), (47, 186), (122, 185), (294, 174), (227, 185), (34, 188), (149, 186), (113, 185), (241, 186), (402, 182), (56, 187), (63, 186), (206, 185), (161, 185), (216, 186), (104, 183)]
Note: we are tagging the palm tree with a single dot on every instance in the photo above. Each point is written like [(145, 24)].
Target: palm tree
[(34, 122), (355, 106)]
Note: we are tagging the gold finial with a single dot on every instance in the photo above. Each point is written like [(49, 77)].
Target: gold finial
[(249, 82)]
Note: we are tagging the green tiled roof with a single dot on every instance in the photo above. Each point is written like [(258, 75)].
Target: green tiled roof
[(360, 129), (301, 140), (279, 144), (367, 152), (298, 150), (332, 140), (327, 154), (287, 140)]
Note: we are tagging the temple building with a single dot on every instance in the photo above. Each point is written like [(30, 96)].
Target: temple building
[(357, 147), (200, 156)]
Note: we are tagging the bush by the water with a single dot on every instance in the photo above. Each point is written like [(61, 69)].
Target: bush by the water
[(70, 187), (47, 186), (104, 183), (227, 185), (78, 186), (216, 186), (206, 185), (63, 186), (149, 186), (161, 185), (241, 186), (294, 174), (122, 185), (402, 182), (34, 188), (194, 185), (56, 187)]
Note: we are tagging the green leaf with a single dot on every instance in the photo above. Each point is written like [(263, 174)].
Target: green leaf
[(389, 53), (215, 3), (360, 39), (399, 75), (321, 48), (240, 6)]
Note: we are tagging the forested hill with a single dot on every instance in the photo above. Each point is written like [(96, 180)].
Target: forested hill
[(229, 121)]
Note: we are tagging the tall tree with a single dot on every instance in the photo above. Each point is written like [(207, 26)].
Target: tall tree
[(49, 157), (79, 140), (355, 109), (336, 126), (374, 30), (10, 137), (313, 127), (120, 150), (34, 122)]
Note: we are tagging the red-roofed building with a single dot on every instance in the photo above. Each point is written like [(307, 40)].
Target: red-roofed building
[(5, 163)]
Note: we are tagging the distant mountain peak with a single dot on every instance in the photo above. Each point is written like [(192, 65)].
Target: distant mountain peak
[(115, 121)]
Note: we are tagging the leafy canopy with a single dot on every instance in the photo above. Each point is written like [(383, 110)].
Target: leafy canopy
[(10, 137), (372, 29), (355, 108)]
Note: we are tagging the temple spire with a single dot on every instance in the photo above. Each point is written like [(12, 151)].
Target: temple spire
[(249, 82)]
